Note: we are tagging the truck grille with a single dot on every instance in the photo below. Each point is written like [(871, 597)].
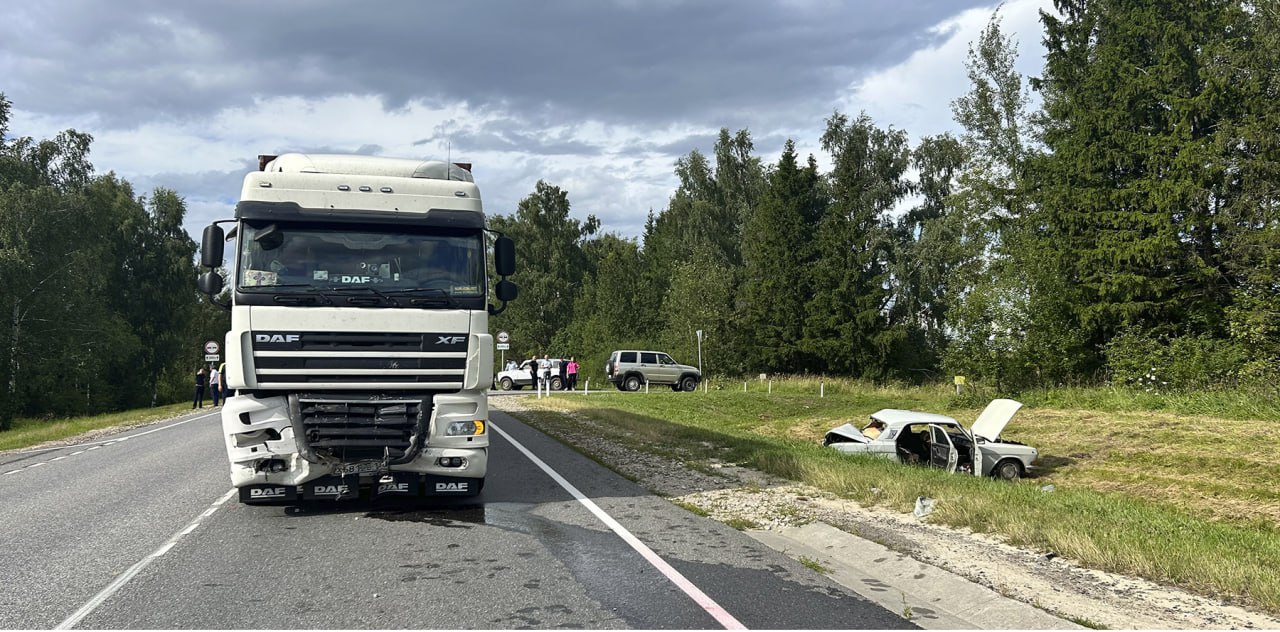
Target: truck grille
[(418, 361), (360, 429)]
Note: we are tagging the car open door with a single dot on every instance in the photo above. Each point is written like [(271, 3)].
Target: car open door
[(976, 467), (942, 451)]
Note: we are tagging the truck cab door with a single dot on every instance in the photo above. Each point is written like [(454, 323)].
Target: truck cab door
[(942, 451)]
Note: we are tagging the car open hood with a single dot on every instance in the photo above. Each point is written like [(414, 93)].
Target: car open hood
[(994, 418), (850, 432)]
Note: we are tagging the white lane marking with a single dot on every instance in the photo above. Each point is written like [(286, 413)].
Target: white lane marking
[(712, 608), (120, 581), (101, 444)]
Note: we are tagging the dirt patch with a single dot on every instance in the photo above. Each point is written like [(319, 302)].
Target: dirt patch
[(736, 495)]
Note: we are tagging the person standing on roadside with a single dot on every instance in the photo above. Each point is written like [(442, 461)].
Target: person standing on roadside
[(544, 368), (573, 374), (533, 371), (201, 380), (215, 378), (222, 381)]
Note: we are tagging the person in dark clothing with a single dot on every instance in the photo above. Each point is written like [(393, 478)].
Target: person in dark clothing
[(202, 379), (564, 381)]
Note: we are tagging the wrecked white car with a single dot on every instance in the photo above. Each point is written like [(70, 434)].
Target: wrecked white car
[(908, 436)]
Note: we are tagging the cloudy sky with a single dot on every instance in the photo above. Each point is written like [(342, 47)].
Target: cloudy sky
[(598, 97)]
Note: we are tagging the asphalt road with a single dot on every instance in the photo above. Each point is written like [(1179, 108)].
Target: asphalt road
[(137, 531)]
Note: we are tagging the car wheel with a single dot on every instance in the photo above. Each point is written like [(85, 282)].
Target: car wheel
[(556, 384), (1007, 470), (632, 383), (688, 384), (506, 384)]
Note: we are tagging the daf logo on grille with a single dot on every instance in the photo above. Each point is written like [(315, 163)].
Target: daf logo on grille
[(450, 340), (276, 337)]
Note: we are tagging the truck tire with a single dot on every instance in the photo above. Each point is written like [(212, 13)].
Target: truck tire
[(632, 383), (557, 384), (506, 384), (688, 384)]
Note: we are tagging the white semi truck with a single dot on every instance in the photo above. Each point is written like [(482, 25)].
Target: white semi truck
[(359, 351)]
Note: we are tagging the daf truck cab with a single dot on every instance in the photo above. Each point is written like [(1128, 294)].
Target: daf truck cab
[(359, 351)]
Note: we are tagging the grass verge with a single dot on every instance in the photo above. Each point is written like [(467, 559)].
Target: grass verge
[(1178, 499), (29, 432)]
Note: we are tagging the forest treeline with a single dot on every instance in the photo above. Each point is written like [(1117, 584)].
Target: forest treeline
[(98, 306), (1125, 229)]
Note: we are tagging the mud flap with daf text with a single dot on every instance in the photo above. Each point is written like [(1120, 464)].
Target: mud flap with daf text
[(395, 485)]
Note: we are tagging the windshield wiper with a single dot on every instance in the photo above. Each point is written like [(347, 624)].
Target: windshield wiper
[(362, 288), (290, 298), (438, 298), (298, 299)]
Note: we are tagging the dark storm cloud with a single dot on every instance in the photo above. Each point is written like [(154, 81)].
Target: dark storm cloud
[(617, 62)]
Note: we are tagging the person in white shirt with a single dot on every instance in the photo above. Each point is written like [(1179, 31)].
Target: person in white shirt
[(544, 369), (215, 379)]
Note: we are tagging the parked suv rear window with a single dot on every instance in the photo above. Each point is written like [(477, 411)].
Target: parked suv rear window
[(648, 358), (628, 356)]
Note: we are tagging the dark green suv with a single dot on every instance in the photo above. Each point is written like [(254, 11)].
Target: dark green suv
[(629, 370)]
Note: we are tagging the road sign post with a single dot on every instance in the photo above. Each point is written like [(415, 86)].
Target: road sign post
[(211, 351), (504, 340)]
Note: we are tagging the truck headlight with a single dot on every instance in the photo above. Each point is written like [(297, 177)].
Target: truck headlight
[(464, 428)]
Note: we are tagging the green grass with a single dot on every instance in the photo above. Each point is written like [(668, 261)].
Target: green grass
[(1180, 499), (741, 524), (29, 432), (691, 508), (814, 565)]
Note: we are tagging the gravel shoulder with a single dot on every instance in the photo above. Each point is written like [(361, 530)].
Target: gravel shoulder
[(747, 498)]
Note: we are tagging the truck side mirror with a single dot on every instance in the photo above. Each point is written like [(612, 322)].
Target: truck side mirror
[(504, 259), (506, 291), (211, 248), (210, 282)]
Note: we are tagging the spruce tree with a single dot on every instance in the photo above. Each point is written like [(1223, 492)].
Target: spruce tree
[(778, 252)]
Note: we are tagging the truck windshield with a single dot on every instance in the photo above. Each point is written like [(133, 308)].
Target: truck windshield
[(283, 256)]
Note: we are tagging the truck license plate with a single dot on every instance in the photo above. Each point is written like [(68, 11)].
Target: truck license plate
[(358, 468)]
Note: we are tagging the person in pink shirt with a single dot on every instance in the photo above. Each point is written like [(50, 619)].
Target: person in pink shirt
[(571, 372)]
